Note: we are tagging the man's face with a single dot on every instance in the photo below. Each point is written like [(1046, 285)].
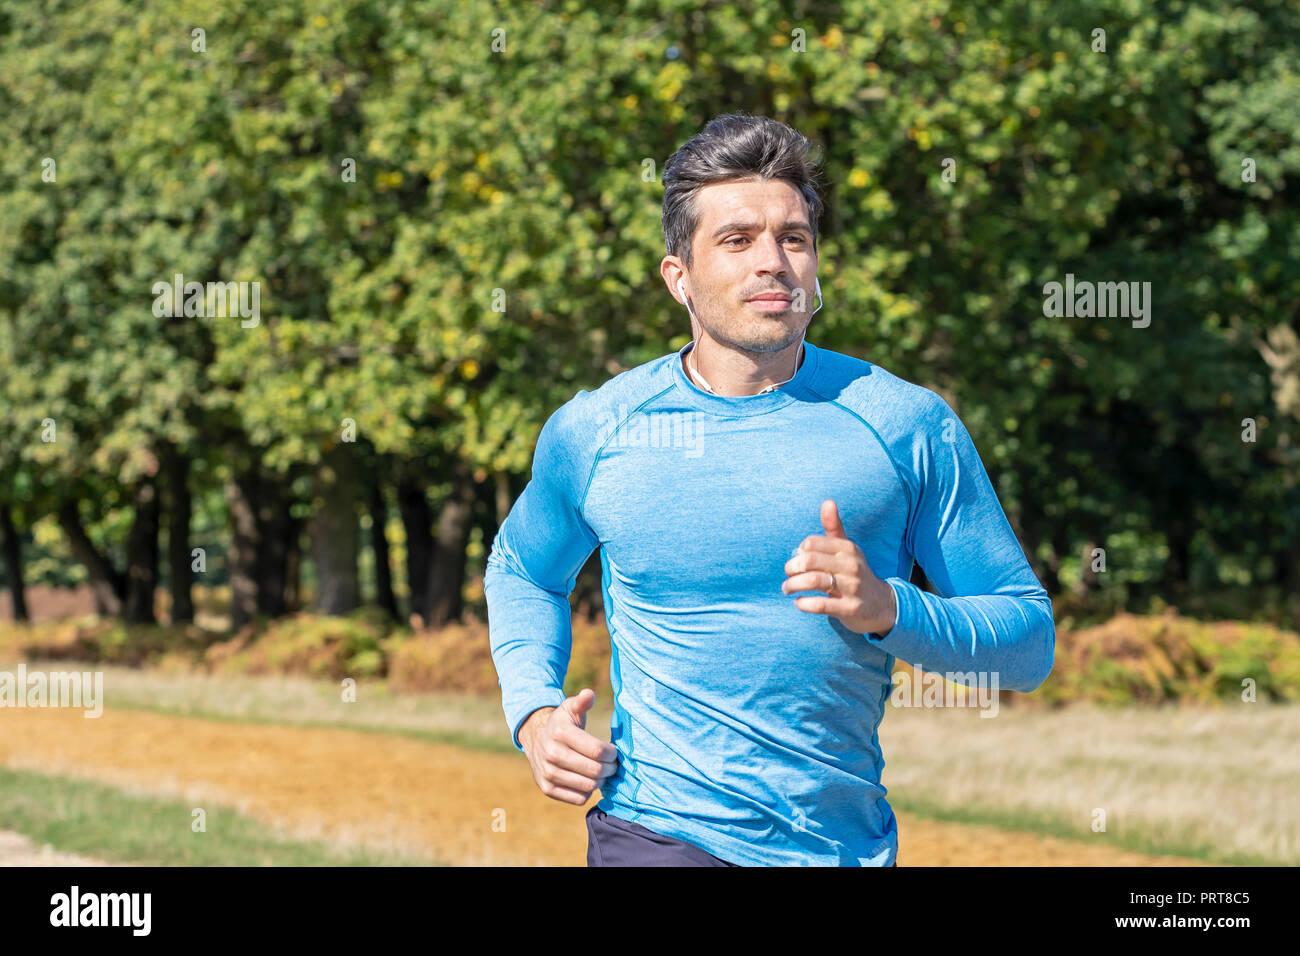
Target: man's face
[(752, 238)]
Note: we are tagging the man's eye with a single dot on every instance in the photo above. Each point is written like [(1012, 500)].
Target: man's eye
[(796, 238)]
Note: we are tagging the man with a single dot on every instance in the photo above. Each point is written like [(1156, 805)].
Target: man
[(758, 503)]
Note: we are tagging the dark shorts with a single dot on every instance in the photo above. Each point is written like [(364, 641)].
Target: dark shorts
[(613, 841)]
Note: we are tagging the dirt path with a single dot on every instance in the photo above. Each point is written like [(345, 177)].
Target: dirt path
[(465, 807)]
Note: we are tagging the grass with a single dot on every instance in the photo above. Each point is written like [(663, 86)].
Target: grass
[(461, 719), (94, 820), (1216, 785)]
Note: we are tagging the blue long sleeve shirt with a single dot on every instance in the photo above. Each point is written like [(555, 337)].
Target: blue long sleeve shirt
[(743, 724)]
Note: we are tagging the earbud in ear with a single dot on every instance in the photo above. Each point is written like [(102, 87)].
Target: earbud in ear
[(681, 287)]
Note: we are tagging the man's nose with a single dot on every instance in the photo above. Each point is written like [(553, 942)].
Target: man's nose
[(771, 261)]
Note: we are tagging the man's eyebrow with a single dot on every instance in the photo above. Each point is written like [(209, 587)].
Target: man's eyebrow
[(753, 227)]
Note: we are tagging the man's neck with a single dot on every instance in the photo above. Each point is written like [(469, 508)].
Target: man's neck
[(727, 381)]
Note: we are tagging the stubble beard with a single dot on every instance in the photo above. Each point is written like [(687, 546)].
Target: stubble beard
[(762, 336)]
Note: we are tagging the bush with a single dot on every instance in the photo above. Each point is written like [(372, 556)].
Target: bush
[(105, 641), (1129, 660), (1167, 658), (459, 658), (308, 645), (454, 658)]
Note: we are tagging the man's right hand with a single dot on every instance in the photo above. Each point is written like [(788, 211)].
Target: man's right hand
[(567, 762)]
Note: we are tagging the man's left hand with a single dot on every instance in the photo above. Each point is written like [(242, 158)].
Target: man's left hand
[(860, 600)]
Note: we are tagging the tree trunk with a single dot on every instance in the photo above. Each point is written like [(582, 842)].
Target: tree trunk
[(12, 546), (180, 510), (273, 532), (1288, 569), (490, 499), (504, 497), (1060, 548), (293, 567), (264, 545), (417, 521), (1028, 530), (336, 533), (108, 586), (1177, 575), (447, 572), (242, 561), (1089, 581), (142, 554), (379, 544)]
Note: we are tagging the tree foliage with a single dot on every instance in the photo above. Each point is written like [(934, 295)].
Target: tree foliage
[(452, 211)]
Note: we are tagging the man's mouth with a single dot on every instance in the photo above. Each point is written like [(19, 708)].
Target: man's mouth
[(771, 302)]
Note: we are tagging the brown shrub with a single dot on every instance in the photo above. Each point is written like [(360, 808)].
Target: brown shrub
[(309, 645), (453, 658), (459, 658), (1133, 659)]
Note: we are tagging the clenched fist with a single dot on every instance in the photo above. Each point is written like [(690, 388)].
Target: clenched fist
[(832, 563), (567, 762)]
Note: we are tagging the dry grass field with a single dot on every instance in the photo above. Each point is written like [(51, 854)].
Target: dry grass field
[(460, 805)]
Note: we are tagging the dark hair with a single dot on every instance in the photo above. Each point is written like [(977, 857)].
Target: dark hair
[(734, 147)]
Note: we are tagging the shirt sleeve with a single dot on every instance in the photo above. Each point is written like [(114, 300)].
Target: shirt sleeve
[(991, 614), (533, 567)]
